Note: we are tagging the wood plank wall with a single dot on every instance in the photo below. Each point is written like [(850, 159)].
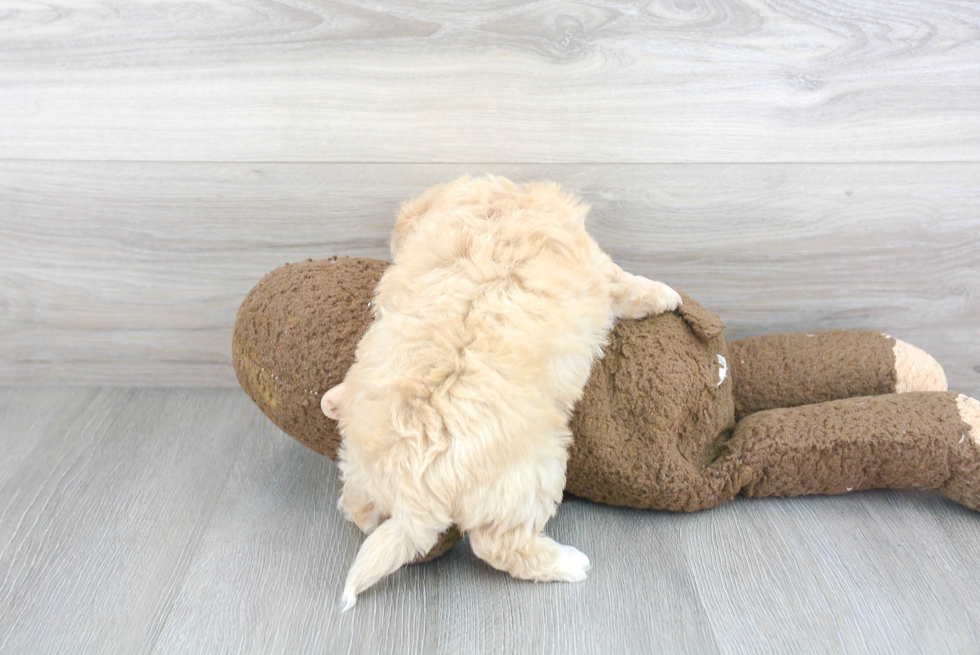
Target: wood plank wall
[(794, 165)]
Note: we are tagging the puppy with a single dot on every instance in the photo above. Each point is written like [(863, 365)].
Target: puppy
[(456, 409)]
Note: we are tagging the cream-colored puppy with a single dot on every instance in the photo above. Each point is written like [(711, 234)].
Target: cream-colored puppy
[(456, 409)]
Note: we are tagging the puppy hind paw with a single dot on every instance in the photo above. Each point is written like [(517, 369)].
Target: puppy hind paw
[(572, 565), (364, 514)]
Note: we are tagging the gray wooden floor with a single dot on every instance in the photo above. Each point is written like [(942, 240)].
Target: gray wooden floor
[(793, 165), (182, 521)]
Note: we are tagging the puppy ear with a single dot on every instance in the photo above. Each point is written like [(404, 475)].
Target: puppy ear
[(333, 401)]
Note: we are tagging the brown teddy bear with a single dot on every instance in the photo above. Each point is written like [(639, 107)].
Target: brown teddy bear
[(673, 417)]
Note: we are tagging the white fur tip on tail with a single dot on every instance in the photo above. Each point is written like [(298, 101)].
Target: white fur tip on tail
[(348, 600)]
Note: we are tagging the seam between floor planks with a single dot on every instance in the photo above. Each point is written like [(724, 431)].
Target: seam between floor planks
[(266, 565)]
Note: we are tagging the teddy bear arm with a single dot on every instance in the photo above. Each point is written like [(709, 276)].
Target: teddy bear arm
[(803, 368), (894, 441)]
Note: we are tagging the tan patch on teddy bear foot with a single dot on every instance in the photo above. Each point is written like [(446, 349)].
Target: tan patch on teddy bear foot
[(917, 370), (963, 484), (970, 413)]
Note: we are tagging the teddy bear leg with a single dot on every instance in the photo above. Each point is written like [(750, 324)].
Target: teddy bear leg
[(895, 441), (803, 368)]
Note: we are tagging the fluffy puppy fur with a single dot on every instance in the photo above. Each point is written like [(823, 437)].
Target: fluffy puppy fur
[(456, 409)]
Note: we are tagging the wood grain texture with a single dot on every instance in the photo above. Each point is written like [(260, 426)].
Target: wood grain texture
[(903, 576), (764, 156), (131, 274), (177, 521), (98, 523), (405, 81)]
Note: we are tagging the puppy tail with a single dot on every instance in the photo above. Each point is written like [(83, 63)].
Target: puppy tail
[(393, 544)]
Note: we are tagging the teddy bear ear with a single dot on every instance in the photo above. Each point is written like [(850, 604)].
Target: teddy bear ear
[(704, 324)]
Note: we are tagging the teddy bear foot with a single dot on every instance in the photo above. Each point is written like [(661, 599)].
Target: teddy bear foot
[(916, 370), (964, 482)]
